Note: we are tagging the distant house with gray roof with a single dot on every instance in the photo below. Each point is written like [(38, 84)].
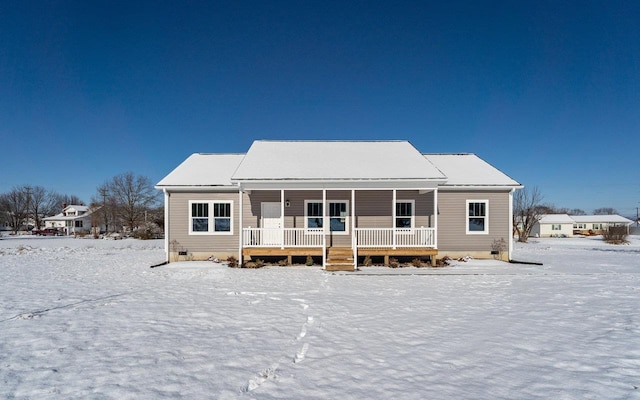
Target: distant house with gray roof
[(336, 201)]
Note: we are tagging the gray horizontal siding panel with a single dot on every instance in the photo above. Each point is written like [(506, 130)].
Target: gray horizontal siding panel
[(452, 220), (179, 223)]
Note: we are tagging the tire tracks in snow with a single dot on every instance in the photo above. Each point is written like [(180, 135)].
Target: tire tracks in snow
[(38, 313)]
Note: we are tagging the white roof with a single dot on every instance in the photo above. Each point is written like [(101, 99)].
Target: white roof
[(601, 219), (469, 170), (368, 162), (203, 170), (87, 211), (556, 219), (335, 160), (76, 207)]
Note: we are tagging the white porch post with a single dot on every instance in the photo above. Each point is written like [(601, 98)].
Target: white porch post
[(393, 218), (354, 243), (435, 217), (241, 227), (166, 224), (510, 224), (282, 218), (324, 229)]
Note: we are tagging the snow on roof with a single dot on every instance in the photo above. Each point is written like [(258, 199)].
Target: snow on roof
[(86, 211), (555, 219), (335, 160), (203, 170), (76, 207), (601, 219), (469, 170)]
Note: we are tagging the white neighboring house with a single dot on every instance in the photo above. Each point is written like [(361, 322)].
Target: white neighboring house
[(597, 224), (553, 225), (73, 219)]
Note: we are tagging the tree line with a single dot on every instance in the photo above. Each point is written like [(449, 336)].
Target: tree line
[(124, 202)]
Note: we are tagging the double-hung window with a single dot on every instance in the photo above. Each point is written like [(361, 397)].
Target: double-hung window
[(556, 227), (210, 218), (477, 217), (338, 215), (405, 214)]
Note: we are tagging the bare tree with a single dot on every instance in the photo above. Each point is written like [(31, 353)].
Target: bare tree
[(39, 202), (576, 211), (526, 211), (108, 207), (605, 211), (14, 205), (133, 195)]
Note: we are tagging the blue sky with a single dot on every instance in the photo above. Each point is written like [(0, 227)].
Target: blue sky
[(547, 91)]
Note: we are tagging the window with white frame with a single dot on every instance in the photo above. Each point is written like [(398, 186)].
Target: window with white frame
[(338, 215), (338, 212), (210, 217), (405, 213), (477, 216)]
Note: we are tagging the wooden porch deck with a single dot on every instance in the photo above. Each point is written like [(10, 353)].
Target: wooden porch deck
[(341, 258)]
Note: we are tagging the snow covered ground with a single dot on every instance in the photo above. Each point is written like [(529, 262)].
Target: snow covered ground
[(83, 318)]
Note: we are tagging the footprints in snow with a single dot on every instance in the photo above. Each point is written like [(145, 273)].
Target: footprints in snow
[(302, 352), (270, 373)]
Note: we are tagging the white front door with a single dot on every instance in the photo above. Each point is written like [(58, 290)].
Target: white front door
[(271, 223)]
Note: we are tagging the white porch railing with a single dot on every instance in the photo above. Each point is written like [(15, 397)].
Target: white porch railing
[(395, 237), (276, 237), (364, 237)]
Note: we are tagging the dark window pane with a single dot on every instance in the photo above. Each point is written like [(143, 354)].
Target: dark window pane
[(476, 224), (200, 225), (314, 209), (222, 225), (403, 222), (337, 224), (314, 222), (222, 210)]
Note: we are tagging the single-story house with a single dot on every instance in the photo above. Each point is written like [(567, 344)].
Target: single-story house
[(597, 224), (339, 201), (553, 225), (74, 219)]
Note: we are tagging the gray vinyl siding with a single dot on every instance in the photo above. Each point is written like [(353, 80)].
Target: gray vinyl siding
[(452, 220), (179, 224), (374, 209)]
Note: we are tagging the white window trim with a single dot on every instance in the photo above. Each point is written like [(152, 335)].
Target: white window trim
[(486, 217), (210, 217), (326, 219), (409, 230)]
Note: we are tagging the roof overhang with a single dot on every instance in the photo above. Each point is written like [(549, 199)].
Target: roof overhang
[(480, 187), (197, 188), (342, 184)]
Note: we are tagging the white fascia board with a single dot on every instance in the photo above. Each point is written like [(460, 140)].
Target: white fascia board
[(343, 185), (479, 187), (197, 188)]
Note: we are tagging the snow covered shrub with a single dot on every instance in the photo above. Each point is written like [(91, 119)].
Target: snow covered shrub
[(284, 262), (232, 262), (615, 235), (253, 264), (498, 247), (416, 262), (393, 262)]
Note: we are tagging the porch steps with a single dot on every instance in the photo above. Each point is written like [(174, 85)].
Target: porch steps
[(339, 259)]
